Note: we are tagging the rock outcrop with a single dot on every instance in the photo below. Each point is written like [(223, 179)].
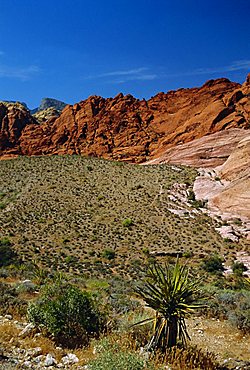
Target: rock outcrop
[(235, 197), (209, 151), (46, 115), (125, 128), (227, 189), (14, 117)]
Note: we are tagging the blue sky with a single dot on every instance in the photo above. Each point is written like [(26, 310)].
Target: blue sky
[(71, 49)]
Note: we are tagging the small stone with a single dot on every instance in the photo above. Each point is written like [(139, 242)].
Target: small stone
[(49, 361), (27, 363), (144, 353), (33, 352), (37, 335), (9, 317), (39, 359), (71, 358)]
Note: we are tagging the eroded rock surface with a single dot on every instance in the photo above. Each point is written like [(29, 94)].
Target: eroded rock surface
[(125, 128), (14, 117), (209, 151)]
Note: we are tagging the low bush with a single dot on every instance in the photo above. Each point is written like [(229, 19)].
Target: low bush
[(213, 264), (127, 222), (7, 255), (67, 314), (10, 303), (238, 268), (109, 254), (234, 306), (113, 356)]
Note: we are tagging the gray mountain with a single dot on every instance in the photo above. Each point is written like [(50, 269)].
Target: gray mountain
[(49, 103)]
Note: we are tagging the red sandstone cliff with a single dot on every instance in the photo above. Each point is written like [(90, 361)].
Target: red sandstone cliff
[(125, 128)]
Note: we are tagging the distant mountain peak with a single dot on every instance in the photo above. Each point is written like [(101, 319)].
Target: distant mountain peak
[(49, 103)]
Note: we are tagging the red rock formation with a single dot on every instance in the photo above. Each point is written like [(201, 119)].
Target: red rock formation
[(14, 117), (125, 128)]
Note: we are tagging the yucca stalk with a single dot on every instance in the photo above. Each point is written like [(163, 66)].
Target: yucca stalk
[(171, 293)]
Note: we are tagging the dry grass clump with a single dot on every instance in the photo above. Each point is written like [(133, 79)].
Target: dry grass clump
[(191, 358), (8, 331)]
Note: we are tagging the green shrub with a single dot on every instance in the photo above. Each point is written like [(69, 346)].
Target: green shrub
[(191, 195), (127, 222), (67, 314), (70, 259), (109, 254), (213, 264), (241, 318), (188, 254), (234, 306), (238, 268), (9, 300), (7, 255)]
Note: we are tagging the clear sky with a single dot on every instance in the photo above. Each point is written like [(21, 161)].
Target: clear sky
[(70, 49)]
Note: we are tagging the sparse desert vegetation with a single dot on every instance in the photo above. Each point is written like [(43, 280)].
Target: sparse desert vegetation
[(60, 214), (78, 235)]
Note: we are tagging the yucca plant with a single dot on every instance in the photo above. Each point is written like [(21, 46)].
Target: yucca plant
[(173, 295)]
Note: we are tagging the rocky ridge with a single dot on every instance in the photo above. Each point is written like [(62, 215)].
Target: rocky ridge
[(128, 129)]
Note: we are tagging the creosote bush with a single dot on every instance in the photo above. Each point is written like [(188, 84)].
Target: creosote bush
[(9, 300), (109, 254), (238, 268), (7, 255), (127, 222), (213, 264), (234, 306), (66, 314)]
